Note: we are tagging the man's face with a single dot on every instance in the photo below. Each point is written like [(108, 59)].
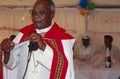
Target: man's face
[(107, 42), (85, 42), (42, 14)]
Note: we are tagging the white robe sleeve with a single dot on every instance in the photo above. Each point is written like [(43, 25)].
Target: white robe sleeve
[(15, 52), (12, 63)]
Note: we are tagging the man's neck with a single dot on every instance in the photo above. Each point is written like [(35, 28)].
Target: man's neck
[(45, 29)]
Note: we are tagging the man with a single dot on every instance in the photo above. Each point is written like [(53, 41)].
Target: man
[(85, 50), (105, 50), (53, 56), (84, 53)]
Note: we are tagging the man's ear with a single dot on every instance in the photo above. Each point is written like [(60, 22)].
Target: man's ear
[(52, 14)]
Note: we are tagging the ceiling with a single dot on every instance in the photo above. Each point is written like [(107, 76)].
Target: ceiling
[(58, 3)]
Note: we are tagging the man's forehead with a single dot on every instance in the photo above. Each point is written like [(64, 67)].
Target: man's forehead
[(41, 4)]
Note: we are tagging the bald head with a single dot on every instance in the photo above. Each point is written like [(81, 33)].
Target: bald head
[(50, 2)]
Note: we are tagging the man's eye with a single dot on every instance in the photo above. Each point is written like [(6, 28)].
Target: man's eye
[(42, 12), (33, 12)]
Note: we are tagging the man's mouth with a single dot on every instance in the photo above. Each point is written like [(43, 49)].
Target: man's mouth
[(38, 22)]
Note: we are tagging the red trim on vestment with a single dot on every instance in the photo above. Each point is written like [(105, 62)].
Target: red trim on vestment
[(55, 60), (65, 59), (57, 32), (26, 31)]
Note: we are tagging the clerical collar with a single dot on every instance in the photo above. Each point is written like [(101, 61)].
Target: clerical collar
[(45, 29)]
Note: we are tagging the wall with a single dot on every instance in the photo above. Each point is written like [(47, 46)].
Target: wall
[(12, 19)]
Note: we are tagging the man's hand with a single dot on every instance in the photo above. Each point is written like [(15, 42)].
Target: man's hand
[(34, 37), (6, 46)]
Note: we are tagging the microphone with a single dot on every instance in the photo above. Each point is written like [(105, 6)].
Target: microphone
[(32, 47)]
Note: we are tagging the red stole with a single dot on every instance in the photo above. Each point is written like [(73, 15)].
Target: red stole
[(26, 32), (53, 38)]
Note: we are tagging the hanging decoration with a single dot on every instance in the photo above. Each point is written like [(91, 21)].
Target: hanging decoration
[(83, 11), (83, 3), (85, 7), (91, 6)]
